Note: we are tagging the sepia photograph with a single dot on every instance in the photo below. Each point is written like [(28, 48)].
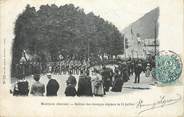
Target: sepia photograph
[(66, 51)]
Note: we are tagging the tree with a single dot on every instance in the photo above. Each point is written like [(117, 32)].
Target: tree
[(52, 29)]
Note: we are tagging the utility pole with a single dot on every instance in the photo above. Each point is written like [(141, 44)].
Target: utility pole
[(133, 42), (88, 49), (132, 51), (124, 45), (155, 37)]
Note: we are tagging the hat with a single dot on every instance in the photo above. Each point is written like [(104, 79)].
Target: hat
[(70, 72), (48, 74), (36, 77)]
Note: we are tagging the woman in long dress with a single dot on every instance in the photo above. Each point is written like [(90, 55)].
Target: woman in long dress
[(97, 84), (118, 82)]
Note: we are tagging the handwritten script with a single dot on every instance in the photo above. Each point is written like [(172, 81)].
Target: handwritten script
[(162, 102), (140, 106)]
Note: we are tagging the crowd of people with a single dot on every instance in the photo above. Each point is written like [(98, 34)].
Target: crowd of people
[(94, 83)]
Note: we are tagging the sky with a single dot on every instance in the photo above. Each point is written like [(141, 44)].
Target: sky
[(119, 12)]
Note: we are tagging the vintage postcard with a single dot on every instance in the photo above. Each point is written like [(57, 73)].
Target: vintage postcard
[(80, 58)]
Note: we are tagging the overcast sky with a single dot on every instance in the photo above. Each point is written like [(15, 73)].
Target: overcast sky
[(120, 12)]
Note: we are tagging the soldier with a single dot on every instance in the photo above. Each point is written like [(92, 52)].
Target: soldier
[(84, 65), (19, 70), (78, 67), (75, 67), (56, 67), (71, 66), (62, 67), (67, 68)]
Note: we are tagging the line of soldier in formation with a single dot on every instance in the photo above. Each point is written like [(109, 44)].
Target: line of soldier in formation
[(60, 67), (97, 83)]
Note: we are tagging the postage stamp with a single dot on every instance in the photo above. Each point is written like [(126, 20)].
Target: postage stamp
[(168, 66)]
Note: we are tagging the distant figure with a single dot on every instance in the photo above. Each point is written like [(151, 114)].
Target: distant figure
[(124, 71), (138, 70), (84, 85), (71, 79), (52, 86), (118, 82), (129, 66), (148, 70), (50, 69), (21, 87), (70, 90), (37, 89)]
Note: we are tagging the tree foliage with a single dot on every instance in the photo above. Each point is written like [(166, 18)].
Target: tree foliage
[(66, 29)]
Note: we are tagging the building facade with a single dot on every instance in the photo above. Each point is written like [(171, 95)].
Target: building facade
[(142, 36)]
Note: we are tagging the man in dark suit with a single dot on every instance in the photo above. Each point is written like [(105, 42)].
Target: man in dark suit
[(52, 86), (84, 85), (138, 70), (107, 74)]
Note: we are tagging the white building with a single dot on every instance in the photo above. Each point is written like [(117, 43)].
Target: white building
[(141, 36)]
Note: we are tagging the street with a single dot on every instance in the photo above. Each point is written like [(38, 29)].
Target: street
[(128, 87)]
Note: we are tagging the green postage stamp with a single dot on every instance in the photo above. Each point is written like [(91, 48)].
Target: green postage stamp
[(168, 66)]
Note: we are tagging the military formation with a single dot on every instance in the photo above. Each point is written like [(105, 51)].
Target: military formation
[(59, 67), (92, 81)]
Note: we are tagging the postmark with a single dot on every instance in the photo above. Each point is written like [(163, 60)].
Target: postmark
[(168, 66)]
